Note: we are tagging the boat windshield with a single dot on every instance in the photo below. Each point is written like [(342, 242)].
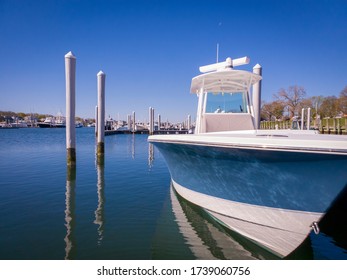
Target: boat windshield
[(226, 102)]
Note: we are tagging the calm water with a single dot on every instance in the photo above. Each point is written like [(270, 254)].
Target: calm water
[(123, 208)]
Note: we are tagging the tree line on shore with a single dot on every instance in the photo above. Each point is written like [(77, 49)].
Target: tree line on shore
[(23, 115), (289, 102), (33, 116)]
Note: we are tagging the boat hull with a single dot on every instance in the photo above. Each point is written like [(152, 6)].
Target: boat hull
[(49, 125), (271, 197)]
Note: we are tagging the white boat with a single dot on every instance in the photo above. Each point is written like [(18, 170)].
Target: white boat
[(271, 186), (78, 124), (53, 122)]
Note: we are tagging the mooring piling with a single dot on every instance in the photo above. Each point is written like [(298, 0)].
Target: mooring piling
[(134, 122), (151, 120), (302, 118), (189, 122), (101, 113), (159, 121), (96, 121), (256, 93), (70, 75), (308, 118), (129, 122)]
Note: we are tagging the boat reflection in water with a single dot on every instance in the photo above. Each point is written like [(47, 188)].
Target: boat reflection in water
[(206, 239)]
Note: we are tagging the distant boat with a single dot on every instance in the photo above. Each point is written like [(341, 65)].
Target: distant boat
[(53, 122), (20, 124), (271, 186), (79, 124), (13, 122), (7, 126)]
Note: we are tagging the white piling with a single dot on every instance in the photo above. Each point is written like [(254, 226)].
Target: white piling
[(256, 93), (129, 122), (189, 122), (151, 120), (101, 113), (134, 122), (159, 121), (302, 118), (308, 118), (96, 121), (70, 75)]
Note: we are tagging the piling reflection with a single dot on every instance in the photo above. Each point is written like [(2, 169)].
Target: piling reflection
[(70, 223), (150, 155), (100, 210), (133, 146)]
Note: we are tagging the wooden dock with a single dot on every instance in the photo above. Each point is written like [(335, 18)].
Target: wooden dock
[(325, 126)]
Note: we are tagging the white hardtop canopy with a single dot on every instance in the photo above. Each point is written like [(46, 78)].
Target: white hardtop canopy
[(221, 77)]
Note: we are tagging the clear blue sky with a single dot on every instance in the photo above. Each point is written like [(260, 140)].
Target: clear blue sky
[(150, 50)]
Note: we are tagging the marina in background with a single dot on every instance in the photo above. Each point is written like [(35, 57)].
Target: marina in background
[(112, 126)]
